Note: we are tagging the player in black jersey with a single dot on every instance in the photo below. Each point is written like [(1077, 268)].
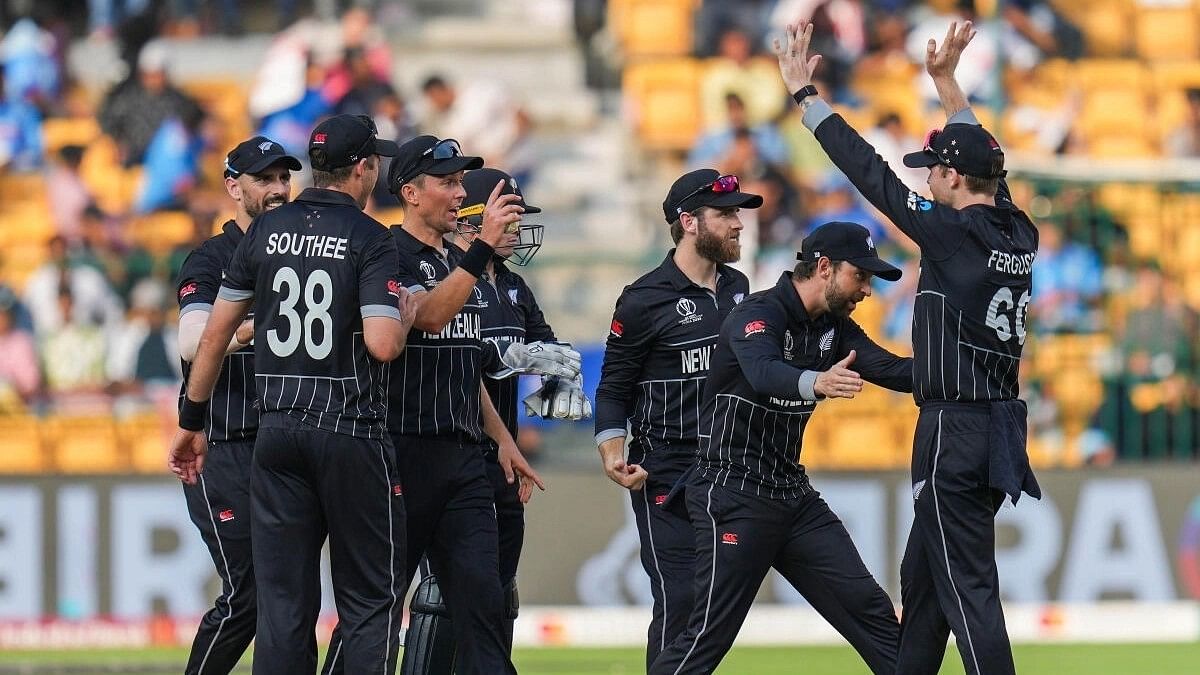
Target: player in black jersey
[(328, 314), (751, 505), (257, 178), (441, 415), (509, 313), (659, 347), (977, 251)]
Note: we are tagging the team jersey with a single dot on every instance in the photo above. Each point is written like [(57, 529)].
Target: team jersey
[(316, 267), (759, 396), (657, 357), (233, 408), (434, 385), (976, 275), (508, 313)]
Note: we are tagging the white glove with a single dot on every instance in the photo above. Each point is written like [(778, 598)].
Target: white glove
[(542, 358), (559, 398)]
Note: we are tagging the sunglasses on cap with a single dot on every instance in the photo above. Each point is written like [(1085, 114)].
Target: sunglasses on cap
[(722, 185), (928, 145), (444, 149), (370, 124)]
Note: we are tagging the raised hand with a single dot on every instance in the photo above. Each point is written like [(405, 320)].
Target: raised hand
[(839, 381), (501, 216), (941, 62), (795, 65)]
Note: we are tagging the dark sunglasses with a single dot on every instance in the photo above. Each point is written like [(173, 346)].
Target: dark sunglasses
[(362, 149), (444, 149), (722, 185)]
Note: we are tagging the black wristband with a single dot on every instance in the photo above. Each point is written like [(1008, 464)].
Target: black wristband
[(191, 414), (803, 93), (477, 257)]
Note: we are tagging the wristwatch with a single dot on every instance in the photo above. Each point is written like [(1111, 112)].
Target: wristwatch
[(803, 93)]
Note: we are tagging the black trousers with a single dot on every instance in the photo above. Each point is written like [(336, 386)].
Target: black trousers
[(668, 550), (510, 517), (739, 538), (948, 576), (219, 505), (452, 520), (307, 484)]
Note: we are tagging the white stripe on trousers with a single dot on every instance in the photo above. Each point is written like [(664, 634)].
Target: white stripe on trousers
[(945, 550), (711, 582), (389, 496), (662, 583), (228, 577)]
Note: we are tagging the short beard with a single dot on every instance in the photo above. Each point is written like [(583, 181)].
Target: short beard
[(839, 303), (713, 248)]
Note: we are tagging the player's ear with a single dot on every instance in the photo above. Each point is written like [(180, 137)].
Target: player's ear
[(687, 220), (233, 188), (825, 267), (408, 194)]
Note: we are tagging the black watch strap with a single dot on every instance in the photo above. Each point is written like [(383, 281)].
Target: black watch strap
[(804, 92)]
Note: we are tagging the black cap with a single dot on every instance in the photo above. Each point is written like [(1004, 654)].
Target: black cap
[(850, 242), (687, 193), (479, 185), (422, 155), (343, 140), (255, 155), (966, 148)]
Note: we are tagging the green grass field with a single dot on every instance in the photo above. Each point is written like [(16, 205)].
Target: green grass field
[(1139, 659)]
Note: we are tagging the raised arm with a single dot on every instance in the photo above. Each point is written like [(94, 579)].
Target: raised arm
[(941, 63)]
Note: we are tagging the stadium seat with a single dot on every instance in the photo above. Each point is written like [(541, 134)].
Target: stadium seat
[(1110, 145), (20, 445), (162, 230), (83, 444), (62, 131), (1095, 74), (146, 440), (664, 102), (112, 184), (652, 28), (1105, 24), (389, 216), (867, 442), (1167, 33)]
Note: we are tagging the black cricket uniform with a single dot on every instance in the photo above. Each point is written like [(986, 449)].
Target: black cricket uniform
[(323, 464), (219, 502), (751, 505), (655, 362), (969, 449), (435, 423)]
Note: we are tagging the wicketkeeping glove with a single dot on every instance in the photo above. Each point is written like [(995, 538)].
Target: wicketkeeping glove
[(559, 398), (542, 358)]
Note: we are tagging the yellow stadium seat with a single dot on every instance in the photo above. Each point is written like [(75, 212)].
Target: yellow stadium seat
[(162, 230), (1105, 23), (146, 440), (389, 216), (1110, 74), (20, 258), (1175, 74), (1121, 147), (653, 28), (83, 444), (16, 186), (20, 445), (62, 131), (867, 442), (1166, 33), (664, 102)]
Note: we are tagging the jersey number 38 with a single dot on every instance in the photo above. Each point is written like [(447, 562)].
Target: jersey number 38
[(287, 284)]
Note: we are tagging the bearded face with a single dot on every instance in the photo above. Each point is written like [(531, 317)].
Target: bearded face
[(718, 235)]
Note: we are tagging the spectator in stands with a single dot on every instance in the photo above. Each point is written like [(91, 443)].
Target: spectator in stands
[(359, 35), (837, 199), (483, 117), (71, 194), (809, 163), (366, 88), (73, 359), (20, 379), (1038, 23), (1067, 284), (977, 64), (839, 36), (716, 16), (135, 110), (20, 135), (139, 364), (104, 15), (711, 146), (393, 121), (91, 297), (1184, 140), (892, 141), (886, 59), (31, 70), (736, 70)]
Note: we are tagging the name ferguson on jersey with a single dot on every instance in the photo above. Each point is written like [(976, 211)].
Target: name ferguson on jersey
[(1011, 264), (307, 245)]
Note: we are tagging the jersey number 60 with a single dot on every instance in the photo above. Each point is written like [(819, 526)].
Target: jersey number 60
[(997, 314), (287, 283)]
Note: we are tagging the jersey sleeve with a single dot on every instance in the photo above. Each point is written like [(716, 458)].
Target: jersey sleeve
[(199, 281), (876, 364), (378, 288), (939, 230), (630, 338), (536, 328), (238, 282), (407, 275), (756, 340)]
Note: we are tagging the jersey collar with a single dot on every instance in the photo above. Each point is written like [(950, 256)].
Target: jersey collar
[(324, 196), (232, 231), (790, 298), (680, 281), (409, 243)]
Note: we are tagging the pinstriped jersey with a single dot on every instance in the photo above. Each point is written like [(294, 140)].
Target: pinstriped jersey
[(754, 413), (976, 275), (434, 385), (316, 267), (508, 313), (233, 408), (658, 352)]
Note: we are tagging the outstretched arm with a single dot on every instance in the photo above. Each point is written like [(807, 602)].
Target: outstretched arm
[(941, 64)]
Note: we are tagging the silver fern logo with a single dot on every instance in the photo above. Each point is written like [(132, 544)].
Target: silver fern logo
[(827, 341), (788, 344)]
